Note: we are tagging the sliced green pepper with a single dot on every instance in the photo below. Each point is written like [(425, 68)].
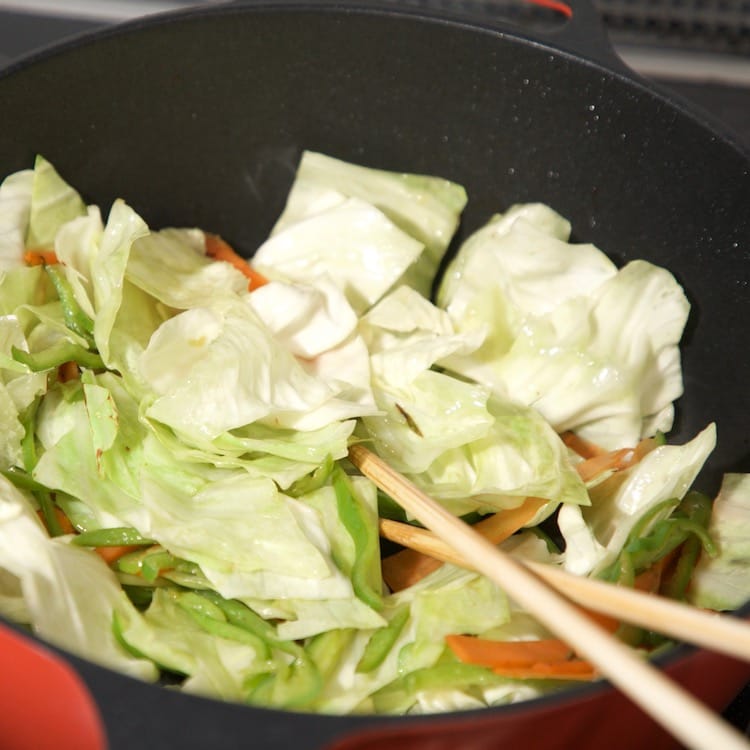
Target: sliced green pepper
[(313, 481), (211, 619), (698, 508), (58, 354), (294, 685), (112, 537), (366, 569), (75, 318), (382, 640)]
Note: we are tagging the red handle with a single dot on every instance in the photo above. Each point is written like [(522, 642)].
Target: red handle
[(43, 702)]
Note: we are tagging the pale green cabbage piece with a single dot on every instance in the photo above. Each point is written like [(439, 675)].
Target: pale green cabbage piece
[(216, 368), (424, 207), (468, 449), (214, 667), (353, 243), (221, 400), (593, 349), (171, 265), (70, 594), (250, 541), (595, 535), (449, 600), (15, 208), (53, 204), (723, 582)]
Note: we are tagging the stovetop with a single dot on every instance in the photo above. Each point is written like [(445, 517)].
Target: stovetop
[(698, 50)]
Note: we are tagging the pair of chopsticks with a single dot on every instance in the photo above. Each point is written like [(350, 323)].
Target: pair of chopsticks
[(686, 718)]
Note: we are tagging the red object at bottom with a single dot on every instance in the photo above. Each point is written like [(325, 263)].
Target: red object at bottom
[(591, 720), (45, 704)]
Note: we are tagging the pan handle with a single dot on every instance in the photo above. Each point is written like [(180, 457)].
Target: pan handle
[(584, 35), (45, 703), (580, 32)]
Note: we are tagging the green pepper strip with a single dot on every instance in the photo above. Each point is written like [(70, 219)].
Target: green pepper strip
[(75, 318), (56, 355), (113, 537), (325, 649), (23, 480), (698, 507), (382, 641), (211, 619), (148, 563), (155, 561), (365, 537), (243, 617), (47, 506), (400, 694), (28, 442), (313, 481), (140, 596), (294, 685)]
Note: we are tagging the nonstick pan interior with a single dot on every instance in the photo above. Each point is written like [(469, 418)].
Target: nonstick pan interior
[(199, 119)]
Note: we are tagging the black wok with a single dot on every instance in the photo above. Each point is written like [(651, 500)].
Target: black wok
[(198, 118)]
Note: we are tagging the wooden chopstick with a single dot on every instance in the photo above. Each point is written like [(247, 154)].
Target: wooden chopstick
[(714, 631), (686, 718)]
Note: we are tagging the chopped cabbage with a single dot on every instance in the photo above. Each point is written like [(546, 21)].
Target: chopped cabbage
[(195, 434)]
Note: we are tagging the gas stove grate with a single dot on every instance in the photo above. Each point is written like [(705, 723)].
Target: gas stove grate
[(708, 25)]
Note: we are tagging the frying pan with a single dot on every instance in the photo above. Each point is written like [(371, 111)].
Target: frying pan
[(199, 117)]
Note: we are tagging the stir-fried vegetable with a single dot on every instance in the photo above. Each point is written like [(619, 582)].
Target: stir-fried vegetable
[(176, 499)]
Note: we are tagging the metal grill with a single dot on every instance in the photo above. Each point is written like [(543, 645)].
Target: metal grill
[(710, 25)]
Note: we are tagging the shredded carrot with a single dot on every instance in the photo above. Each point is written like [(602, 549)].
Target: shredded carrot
[(643, 448), (612, 461), (610, 624), (68, 371), (405, 568), (65, 525), (39, 257), (650, 580), (472, 650), (112, 554), (584, 448), (219, 249), (545, 658), (616, 460), (503, 524)]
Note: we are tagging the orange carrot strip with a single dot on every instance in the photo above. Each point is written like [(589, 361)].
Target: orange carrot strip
[(472, 650), (613, 461), (503, 524), (584, 448), (68, 371), (643, 448), (405, 568), (65, 525), (219, 249), (39, 257), (650, 580), (548, 658), (112, 554), (610, 624), (616, 460)]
